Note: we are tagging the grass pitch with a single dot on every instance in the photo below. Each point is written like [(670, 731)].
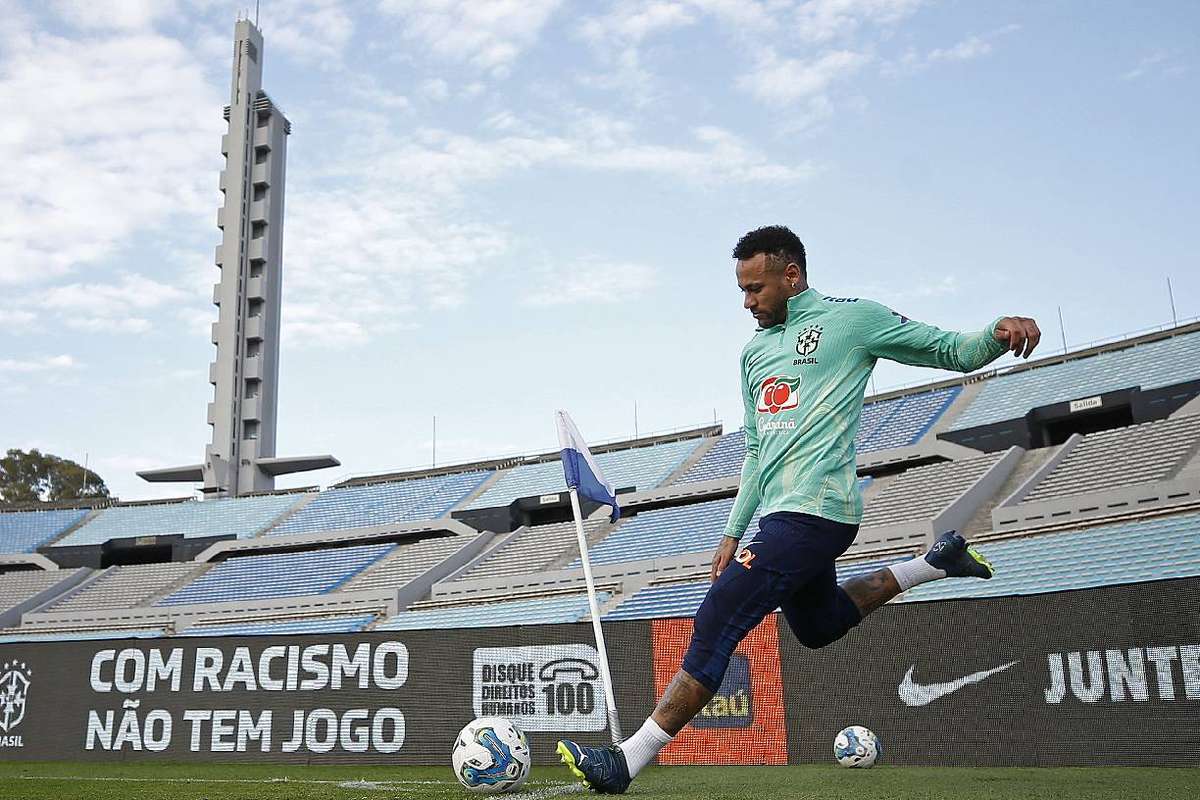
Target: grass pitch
[(34, 781)]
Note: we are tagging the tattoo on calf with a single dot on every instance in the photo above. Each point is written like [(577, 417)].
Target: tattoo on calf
[(872, 591)]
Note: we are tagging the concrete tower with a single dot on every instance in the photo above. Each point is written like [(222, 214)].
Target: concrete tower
[(245, 372)]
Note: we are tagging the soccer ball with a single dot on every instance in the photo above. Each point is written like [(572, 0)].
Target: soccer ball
[(491, 755), (856, 747)]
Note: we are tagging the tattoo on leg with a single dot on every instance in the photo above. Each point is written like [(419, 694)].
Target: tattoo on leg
[(682, 700), (871, 591)]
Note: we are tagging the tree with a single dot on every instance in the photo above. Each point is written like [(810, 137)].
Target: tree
[(39, 477)]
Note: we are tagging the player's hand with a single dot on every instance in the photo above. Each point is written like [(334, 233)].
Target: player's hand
[(725, 553), (1021, 334)]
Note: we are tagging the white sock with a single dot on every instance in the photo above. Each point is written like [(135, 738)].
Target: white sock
[(914, 572), (641, 748)]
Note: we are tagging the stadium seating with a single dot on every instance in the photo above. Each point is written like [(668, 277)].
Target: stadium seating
[(242, 517), (259, 577), (1121, 457), (125, 587), (382, 503), (923, 492), (510, 612), (350, 624), (901, 421), (898, 422), (531, 550), (1127, 552), (683, 599), (17, 587), (26, 531), (1150, 366), (406, 562), (665, 532), (723, 460), (9, 636), (639, 467)]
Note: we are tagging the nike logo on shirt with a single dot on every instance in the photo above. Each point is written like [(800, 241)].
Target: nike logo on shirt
[(914, 694)]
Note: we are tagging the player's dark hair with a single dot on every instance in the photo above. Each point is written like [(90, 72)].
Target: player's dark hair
[(779, 243)]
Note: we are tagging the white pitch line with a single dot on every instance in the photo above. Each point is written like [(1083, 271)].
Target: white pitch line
[(549, 789)]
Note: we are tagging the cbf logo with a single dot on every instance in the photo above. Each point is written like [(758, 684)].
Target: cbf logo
[(14, 688), (808, 340), (778, 393)]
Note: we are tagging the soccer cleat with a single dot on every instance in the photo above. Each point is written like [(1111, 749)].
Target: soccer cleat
[(602, 769), (951, 553)]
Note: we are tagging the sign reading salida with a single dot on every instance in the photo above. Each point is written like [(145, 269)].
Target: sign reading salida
[(212, 670), (541, 687)]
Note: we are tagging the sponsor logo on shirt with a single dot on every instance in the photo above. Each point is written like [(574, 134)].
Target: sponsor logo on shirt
[(778, 393)]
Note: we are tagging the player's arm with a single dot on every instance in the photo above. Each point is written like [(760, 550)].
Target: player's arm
[(747, 497), (898, 338)]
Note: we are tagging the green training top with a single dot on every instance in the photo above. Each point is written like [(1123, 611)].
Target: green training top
[(803, 383)]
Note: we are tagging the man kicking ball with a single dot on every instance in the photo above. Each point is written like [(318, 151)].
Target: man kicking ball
[(803, 377)]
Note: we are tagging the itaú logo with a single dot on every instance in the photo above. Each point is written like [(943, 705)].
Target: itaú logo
[(778, 393)]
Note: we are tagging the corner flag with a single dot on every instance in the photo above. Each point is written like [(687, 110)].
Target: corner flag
[(581, 471)]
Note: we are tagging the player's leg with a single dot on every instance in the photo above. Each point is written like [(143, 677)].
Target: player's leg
[(742, 595), (949, 557)]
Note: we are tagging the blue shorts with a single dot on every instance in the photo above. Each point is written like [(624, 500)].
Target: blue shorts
[(791, 568)]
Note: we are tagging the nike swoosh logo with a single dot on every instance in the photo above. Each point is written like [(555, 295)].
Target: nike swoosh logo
[(914, 694)]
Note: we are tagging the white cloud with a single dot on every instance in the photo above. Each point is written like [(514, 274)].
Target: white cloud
[(822, 20), (16, 319), (591, 283), (115, 133), (787, 80), (114, 14), (968, 49), (435, 89), (108, 324), (109, 308), (487, 34), (47, 364), (314, 32), (1159, 62)]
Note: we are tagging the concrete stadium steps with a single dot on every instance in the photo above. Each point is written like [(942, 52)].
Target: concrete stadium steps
[(1152, 451), (1126, 552), (125, 586), (1150, 365), (530, 550), (923, 492), (981, 521), (243, 517), (26, 531), (18, 587), (407, 561)]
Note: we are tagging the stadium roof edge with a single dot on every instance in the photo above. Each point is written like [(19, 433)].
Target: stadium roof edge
[(1086, 352), (505, 462)]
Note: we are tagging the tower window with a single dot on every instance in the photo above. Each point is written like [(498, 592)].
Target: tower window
[(258, 230)]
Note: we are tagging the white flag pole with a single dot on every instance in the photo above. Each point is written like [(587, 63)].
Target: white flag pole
[(614, 724)]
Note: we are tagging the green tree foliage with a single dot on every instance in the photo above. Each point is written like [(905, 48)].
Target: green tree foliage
[(38, 477)]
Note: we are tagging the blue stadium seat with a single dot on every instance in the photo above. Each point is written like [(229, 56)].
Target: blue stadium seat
[(26, 531), (1150, 366), (243, 517), (382, 503), (278, 575), (640, 467), (724, 460), (73, 636), (1129, 552), (510, 612), (683, 599), (349, 624), (665, 532), (898, 422)]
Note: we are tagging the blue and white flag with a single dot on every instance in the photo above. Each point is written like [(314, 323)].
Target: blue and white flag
[(582, 473)]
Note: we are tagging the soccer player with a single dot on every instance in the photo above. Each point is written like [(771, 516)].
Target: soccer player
[(803, 375)]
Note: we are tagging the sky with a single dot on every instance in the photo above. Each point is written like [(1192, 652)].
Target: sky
[(497, 208)]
